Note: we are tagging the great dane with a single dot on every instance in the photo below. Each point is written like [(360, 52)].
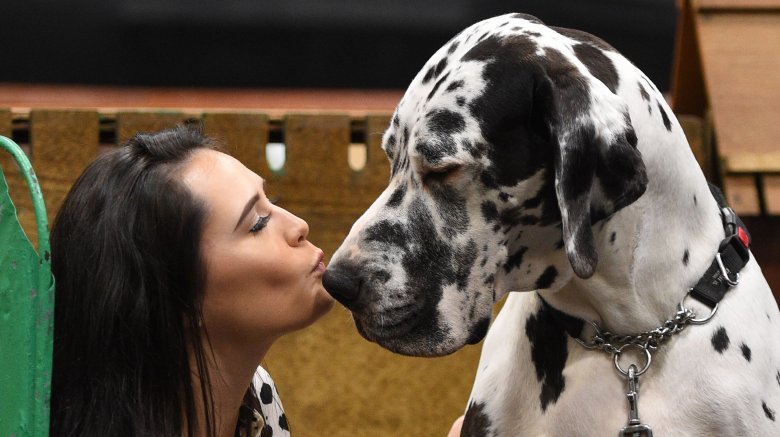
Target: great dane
[(540, 161)]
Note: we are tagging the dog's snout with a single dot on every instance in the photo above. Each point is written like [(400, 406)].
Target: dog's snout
[(342, 284)]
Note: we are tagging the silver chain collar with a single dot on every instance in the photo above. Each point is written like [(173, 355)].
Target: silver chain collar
[(648, 341)]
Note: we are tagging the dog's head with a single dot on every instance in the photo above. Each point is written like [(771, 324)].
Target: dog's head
[(504, 150)]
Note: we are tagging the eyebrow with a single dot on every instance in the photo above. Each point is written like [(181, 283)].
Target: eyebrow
[(247, 208)]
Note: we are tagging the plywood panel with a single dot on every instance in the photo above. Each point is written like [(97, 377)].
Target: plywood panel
[(130, 123), (741, 58), (772, 196), (242, 135), (63, 143)]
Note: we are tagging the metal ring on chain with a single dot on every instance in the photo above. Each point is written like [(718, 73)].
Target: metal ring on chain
[(695, 321), (620, 352)]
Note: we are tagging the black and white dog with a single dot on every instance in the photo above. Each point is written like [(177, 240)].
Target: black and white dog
[(539, 160)]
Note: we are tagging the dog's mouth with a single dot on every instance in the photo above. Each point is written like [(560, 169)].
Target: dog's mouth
[(388, 324), (417, 333)]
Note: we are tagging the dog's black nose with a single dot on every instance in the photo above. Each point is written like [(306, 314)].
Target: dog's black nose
[(342, 284)]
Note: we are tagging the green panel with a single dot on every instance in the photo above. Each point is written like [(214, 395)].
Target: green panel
[(26, 313)]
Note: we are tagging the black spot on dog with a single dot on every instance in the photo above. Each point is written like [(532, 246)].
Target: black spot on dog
[(643, 92), (770, 413), (429, 74), (667, 123), (465, 261), (388, 233), (488, 180), (547, 278), (436, 87), (695, 201), (720, 340), (441, 66), (548, 354), (533, 34), (266, 394), (685, 257), (473, 150), (490, 278), (514, 260), (489, 211), (598, 64), (612, 238), (527, 17), (455, 85), (283, 422), (502, 110), (483, 36), (778, 377), (503, 196), (443, 121), (621, 172), (475, 423), (453, 47), (435, 70), (397, 197), (746, 352), (451, 206), (460, 100)]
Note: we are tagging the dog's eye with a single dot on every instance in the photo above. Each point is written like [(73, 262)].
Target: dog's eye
[(441, 174)]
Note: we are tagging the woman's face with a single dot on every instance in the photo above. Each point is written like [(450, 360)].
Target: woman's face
[(263, 277)]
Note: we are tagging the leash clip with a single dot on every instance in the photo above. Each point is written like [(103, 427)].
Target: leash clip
[(634, 428)]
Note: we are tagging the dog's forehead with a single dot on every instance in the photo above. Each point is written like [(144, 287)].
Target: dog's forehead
[(437, 104)]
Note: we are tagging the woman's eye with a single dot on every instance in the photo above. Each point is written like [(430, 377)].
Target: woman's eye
[(260, 224)]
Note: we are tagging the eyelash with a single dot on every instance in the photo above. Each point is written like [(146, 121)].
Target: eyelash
[(260, 224)]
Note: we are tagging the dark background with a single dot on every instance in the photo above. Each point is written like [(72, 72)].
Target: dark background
[(287, 43)]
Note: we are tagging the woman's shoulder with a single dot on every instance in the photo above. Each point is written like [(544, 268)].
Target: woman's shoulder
[(271, 418)]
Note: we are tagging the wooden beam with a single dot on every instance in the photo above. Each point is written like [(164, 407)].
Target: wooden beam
[(742, 194)]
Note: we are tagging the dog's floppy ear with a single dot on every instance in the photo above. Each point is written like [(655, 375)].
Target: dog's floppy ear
[(598, 169)]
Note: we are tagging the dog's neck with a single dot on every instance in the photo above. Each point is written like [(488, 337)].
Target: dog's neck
[(651, 252)]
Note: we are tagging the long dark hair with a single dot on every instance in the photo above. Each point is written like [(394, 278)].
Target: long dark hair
[(129, 285)]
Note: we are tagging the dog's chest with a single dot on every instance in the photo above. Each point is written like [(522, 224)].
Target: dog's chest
[(692, 388)]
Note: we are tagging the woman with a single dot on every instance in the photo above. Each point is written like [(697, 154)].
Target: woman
[(175, 275)]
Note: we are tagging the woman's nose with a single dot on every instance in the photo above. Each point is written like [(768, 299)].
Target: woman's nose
[(298, 230)]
